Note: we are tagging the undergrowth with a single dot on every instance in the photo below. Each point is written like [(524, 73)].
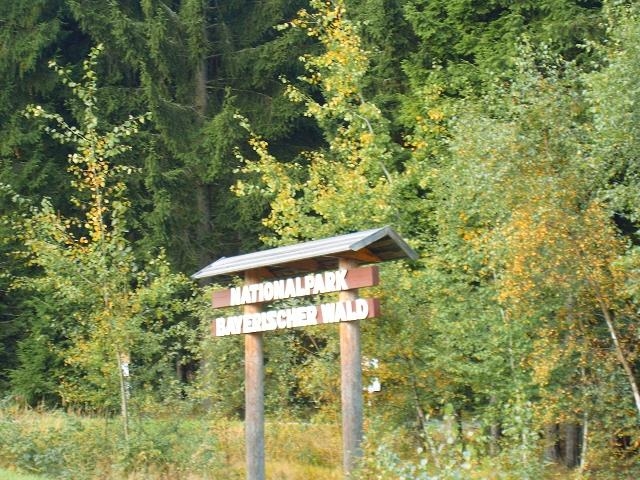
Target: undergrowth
[(172, 446)]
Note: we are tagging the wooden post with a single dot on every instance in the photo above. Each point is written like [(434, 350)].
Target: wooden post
[(254, 394), (351, 377)]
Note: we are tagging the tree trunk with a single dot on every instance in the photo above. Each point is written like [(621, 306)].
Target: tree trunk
[(495, 433), (608, 317), (124, 410), (585, 442), (572, 444), (551, 451), (203, 204), (203, 189), (607, 313)]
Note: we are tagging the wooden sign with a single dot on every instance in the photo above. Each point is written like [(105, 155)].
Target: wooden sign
[(346, 252), (293, 317), (290, 317), (312, 284)]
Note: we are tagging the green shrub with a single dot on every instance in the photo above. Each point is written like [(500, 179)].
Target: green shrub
[(164, 443), (66, 446)]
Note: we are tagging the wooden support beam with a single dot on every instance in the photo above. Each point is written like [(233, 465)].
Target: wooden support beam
[(351, 383), (254, 393)]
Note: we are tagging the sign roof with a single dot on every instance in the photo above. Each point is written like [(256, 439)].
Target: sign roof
[(368, 246)]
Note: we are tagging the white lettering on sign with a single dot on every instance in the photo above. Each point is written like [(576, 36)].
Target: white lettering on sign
[(345, 311), (311, 284), (314, 284), (358, 309)]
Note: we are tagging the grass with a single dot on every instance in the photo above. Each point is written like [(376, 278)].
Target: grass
[(184, 447), (294, 451), (9, 475), (169, 446)]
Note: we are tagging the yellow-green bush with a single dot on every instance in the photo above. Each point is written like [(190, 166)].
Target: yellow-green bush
[(173, 446)]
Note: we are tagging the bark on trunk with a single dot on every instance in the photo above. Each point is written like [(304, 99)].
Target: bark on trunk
[(124, 409), (203, 189), (551, 451), (584, 443), (572, 444), (608, 317)]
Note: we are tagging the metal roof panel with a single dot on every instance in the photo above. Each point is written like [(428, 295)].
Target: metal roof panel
[(383, 243)]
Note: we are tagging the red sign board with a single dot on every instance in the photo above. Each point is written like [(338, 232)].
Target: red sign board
[(312, 284)]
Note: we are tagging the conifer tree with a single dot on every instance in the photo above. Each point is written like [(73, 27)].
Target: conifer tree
[(109, 315)]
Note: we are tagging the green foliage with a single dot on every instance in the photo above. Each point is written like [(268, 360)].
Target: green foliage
[(461, 35), (612, 91), (222, 380), (452, 449), (188, 63), (170, 444), (70, 447), (97, 304), (343, 187), (526, 257), (193, 65), (461, 123), (349, 181), (522, 251)]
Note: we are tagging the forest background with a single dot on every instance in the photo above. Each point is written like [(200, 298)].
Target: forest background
[(139, 141)]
